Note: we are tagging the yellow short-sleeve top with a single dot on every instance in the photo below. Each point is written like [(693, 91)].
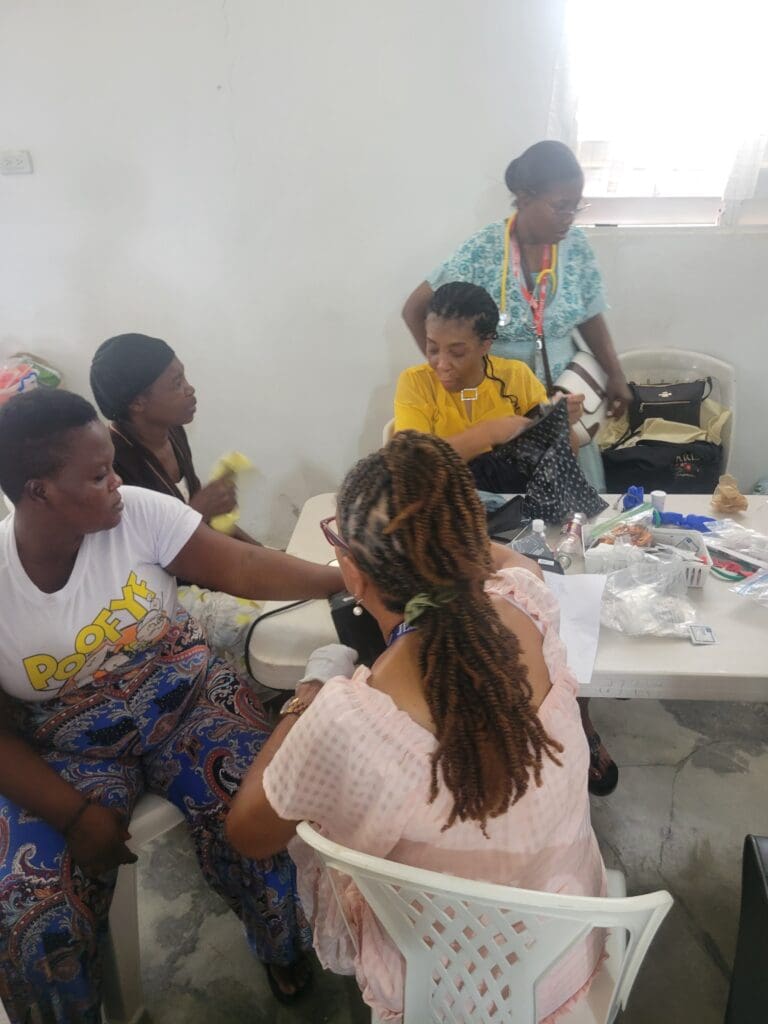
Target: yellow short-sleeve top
[(422, 403)]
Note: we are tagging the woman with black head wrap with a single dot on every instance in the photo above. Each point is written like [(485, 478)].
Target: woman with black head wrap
[(140, 386)]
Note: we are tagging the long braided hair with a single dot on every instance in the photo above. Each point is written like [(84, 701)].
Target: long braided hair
[(462, 300), (414, 524)]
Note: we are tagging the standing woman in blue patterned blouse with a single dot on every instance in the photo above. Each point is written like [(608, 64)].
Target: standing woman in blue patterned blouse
[(536, 262)]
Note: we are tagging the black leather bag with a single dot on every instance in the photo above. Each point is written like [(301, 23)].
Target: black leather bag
[(680, 403), (692, 468)]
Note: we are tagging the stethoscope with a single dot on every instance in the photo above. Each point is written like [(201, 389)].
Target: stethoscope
[(548, 273)]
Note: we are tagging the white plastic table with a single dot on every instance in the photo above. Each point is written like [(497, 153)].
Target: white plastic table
[(736, 668)]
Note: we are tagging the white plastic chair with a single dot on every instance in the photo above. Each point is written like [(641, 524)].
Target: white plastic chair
[(388, 432), (474, 951), (123, 993), (673, 366)]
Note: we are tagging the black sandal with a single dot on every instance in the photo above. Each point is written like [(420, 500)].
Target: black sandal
[(608, 779), (287, 998)]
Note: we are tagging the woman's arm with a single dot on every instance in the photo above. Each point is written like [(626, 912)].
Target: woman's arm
[(503, 557), (479, 438), (415, 313), (218, 562), (27, 780), (597, 336), (239, 534), (95, 834), (252, 826)]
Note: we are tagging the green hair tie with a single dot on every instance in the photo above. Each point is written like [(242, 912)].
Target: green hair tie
[(421, 602)]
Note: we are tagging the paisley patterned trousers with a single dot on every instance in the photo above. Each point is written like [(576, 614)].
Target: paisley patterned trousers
[(183, 726)]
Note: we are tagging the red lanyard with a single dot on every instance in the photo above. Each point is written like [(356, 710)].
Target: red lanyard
[(536, 299)]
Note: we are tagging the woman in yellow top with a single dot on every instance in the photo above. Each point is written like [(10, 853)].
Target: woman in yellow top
[(472, 399)]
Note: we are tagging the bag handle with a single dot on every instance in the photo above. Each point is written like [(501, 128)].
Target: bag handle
[(548, 382)]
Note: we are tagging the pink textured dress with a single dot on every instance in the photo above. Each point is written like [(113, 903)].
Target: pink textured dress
[(359, 768)]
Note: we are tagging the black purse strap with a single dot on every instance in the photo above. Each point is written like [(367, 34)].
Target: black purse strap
[(548, 382)]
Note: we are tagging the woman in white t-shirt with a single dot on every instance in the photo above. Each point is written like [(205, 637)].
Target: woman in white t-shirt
[(107, 689)]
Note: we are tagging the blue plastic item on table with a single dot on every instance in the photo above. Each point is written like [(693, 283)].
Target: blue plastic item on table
[(635, 496), (689, 522)]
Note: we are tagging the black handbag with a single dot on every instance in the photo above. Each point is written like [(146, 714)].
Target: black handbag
[(680, 403), (692, 468), (556, 486)]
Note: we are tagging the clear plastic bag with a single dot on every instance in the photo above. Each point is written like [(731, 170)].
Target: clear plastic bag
[(649, 598), (22, 372), (224, 618), (728, 535), (641, 515), (754, 587)]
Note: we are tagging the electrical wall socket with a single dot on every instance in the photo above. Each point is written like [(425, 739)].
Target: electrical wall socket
[(15, 161)]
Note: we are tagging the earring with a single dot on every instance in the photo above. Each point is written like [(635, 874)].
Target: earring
[(358, 608)]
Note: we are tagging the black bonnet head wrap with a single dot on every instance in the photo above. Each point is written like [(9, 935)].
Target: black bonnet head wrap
[(125, 366)]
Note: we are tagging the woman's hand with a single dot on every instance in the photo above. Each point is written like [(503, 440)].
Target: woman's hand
[(328, 662), (97, 840), (617, 394), (575, 405), (216, 498), (505, 429)]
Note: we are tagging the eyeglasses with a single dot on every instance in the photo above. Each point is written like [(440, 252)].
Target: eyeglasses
[(331, 535), (565, 209)]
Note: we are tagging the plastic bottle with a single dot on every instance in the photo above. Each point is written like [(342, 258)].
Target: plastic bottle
[(534, 542), (571, 543)]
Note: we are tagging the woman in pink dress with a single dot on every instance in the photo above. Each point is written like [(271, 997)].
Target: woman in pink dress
[(460, 751)]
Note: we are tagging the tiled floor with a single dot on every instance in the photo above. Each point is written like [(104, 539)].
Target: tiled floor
[(694, 779)]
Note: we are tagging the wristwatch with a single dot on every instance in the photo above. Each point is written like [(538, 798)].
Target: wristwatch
[(294, 706)]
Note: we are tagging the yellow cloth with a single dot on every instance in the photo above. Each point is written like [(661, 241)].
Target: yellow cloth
[(234, 463), (422, 403), (713, 419)]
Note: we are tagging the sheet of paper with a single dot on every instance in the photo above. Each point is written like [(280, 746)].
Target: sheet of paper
[(580, 597)]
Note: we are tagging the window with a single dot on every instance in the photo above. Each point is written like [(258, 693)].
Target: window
[(666, 105)]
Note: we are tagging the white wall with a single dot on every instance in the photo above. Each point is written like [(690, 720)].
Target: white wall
[(262, 185)]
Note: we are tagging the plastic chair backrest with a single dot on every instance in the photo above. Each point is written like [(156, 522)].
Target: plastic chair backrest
[(388, 432), (474, 951), (672, 365)]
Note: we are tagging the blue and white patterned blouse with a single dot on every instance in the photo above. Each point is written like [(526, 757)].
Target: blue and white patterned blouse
[(578, 297)]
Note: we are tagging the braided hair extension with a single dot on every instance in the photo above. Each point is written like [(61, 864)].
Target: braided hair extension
[(488, 365), (460, 300), (413, 522)]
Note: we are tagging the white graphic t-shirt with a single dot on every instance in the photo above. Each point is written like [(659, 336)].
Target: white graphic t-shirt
[(116, 604)]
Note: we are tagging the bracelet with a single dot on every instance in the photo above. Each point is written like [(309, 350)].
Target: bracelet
[(294, 706), (76, 817)]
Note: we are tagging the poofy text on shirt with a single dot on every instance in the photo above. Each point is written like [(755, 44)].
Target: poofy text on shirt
[(126, 626)]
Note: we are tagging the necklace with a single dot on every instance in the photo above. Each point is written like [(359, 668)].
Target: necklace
[(400, 630)]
